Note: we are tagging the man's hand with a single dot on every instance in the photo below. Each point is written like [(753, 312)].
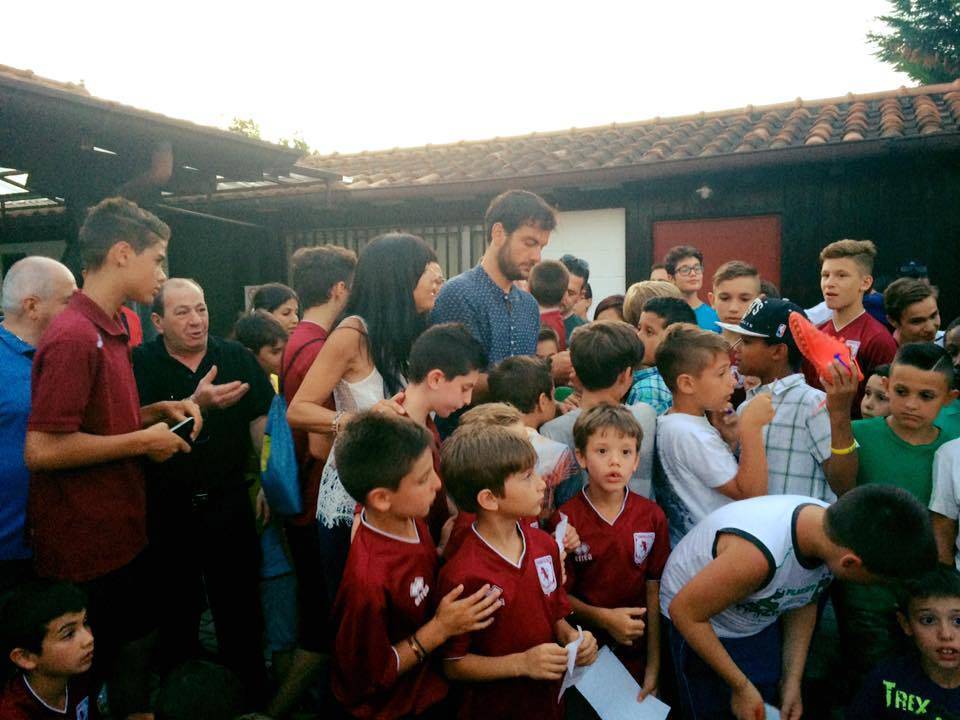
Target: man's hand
[(791, 705), (545, 662), (179, 410), (161, 444), (207, 395), (625, 624), (747, 703), (841, 385)]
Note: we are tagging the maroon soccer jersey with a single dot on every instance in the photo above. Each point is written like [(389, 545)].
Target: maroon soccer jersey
[(387, 593), (534, 600), (614, 561), (86, 521), (302, 349), (870, 344), (20, 702), (554, 319), (462, 526)]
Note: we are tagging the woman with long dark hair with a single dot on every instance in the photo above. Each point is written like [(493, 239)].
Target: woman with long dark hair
[(280, 301), (363, 362)]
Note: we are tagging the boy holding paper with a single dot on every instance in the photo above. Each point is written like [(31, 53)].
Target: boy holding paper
[(746, 566), (513, 668)]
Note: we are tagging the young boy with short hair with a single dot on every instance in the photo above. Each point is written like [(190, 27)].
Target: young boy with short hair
[(697, 471), (526, 383), (846, 274), (911, 307), (386, 618), (604, 354), (45, 636), (925, 682), (896, 450), (548, 343), (740, 591), (685, 267), (512, 668), (548, 284), (263, 335), (736, 284), (807, 441), (613, 575), (876, 402), (657, 315)]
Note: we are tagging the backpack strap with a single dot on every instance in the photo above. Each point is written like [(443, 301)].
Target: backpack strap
[(294, 359)]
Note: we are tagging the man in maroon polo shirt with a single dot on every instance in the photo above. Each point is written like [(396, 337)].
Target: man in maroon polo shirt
[(86, 437), (321, 278)]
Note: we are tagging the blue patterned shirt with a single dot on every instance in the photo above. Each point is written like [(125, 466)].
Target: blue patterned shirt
[(506, 324), (649, 387)]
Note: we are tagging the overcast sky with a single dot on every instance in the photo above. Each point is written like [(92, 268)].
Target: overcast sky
[(351, 76)]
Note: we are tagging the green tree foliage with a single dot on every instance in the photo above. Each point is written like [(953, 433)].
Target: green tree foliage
[(297, 143), (923, 39), (246, 127)]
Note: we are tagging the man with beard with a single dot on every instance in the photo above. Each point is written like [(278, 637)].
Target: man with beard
[(505, 319)]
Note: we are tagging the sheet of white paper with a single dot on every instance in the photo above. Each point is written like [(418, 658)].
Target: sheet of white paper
[(573, 673), (610, 688), (560, 530), (771, 713)]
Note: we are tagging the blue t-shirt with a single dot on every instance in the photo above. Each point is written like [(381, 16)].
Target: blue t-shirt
[(506, 324), (898, 688), (707, 317), (16, 361)]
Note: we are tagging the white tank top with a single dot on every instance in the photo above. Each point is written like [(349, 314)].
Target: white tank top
[(768, 522), (361, 395)]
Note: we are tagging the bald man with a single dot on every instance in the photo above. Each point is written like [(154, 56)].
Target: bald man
[(35, 290)]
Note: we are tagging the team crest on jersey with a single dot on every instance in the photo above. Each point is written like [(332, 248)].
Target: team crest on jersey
[(642, 544), (419, 590), (548, 578), (582, 553), (854, 346)]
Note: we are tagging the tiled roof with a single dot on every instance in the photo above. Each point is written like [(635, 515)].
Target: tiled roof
[(901, 114)]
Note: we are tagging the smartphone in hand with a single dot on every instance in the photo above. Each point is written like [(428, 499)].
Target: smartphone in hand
[(183, 428)]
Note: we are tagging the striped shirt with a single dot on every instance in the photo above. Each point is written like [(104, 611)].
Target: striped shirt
[(649, 387), (797, 440)]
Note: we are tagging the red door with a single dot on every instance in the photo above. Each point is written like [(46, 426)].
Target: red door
[(755, 240)]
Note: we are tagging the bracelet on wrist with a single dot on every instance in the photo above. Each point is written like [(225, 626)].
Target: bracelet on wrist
[(423, 650), (335, 426), (417, 651), (845, 451)]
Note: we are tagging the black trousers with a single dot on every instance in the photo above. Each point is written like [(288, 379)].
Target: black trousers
[(207, 548)]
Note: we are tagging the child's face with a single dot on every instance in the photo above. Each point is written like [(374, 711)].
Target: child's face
[(610, 459), (876, 402), (754, 356), (448, 396), (651, 327), (67, 648), (269, 357), (916, 396), (417, 489), (713, 387), (689, 275), (934, 625), (919, 322), (523, 494), (546, 349), (843, 282), (145, 272), (731, 298)]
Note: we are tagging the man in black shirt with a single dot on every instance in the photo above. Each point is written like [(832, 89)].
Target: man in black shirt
[(200, 520)]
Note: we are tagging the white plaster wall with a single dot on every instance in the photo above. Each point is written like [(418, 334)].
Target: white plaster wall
[(599, 237)]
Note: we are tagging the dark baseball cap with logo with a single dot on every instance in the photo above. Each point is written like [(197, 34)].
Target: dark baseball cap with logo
[(767, 318)]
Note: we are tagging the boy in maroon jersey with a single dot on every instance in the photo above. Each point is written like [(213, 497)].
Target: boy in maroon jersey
[(613, 577), (45, 636), (513, 667), (846, 273), (384, 611)]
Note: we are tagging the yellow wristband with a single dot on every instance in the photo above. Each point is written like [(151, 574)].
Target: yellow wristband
[(846, 451)]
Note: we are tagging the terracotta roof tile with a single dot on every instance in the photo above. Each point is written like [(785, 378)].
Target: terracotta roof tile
[(897, 114)]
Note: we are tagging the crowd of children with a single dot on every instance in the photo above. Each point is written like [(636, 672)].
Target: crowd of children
[(743, 527)]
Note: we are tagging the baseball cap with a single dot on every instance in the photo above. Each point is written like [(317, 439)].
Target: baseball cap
[(766, 318)]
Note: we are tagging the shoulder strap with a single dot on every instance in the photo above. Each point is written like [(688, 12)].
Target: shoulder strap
[(294, 359)]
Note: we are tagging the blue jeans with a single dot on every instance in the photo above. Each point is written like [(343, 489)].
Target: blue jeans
[(703, 694)]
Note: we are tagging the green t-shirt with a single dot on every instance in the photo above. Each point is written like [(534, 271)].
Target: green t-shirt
[(887, 459), (949, 419)]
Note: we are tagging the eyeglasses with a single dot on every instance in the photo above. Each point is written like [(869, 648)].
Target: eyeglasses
[(690, 270), (732, 350)]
